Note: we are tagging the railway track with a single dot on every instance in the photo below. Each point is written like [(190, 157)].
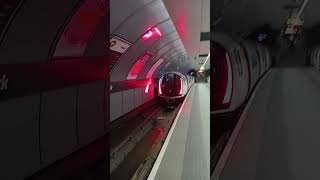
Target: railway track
[(133, 156)]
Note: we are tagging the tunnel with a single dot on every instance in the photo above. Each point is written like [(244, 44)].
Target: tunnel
[(98, 89), (159, 66), (159, 89), (265, 90)]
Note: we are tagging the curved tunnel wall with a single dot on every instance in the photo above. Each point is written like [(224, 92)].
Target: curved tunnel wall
[(131, 24), (61, 101)]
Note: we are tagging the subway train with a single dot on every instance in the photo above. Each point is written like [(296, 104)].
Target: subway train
[(237, 67), (174, 86)]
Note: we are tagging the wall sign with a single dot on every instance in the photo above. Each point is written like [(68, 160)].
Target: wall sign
[(119, 44)]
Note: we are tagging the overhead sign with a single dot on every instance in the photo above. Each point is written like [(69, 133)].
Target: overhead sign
[(119, 45)]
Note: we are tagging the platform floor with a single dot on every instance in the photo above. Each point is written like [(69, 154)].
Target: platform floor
[(187, 153), (280, 136)]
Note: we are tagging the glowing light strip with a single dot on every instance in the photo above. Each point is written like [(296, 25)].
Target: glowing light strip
[(150, 33), (202, 67), (147, 88), (180, 87), (157, 30), (160, 81)]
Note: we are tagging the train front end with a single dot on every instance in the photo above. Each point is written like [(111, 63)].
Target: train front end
[(171, 88)]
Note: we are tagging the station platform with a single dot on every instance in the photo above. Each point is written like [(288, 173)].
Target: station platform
[(186, 151), (278, 136)]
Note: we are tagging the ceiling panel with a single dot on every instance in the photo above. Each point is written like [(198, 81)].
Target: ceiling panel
[(120, 10), (137, 24), (186, 15), (136, 20)]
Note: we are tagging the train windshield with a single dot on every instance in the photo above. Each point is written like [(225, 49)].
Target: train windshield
[(171, 85)]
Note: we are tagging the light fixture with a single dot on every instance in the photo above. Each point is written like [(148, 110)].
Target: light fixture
[(180, 93), (152, 32)]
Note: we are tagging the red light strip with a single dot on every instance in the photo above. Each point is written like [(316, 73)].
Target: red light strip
[(151, 33), (148, 35), (158, 32), (180, 87), (147, 88), (160, 81)]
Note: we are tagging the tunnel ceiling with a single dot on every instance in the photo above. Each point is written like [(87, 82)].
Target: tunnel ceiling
[(241, 17), (147, 34), (191, 17)]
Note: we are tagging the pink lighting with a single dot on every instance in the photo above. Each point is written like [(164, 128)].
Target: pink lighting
[(152, 32), (147, 88), (147, 35), (157, 31), (160, 92), (180, 93), (138, 66)]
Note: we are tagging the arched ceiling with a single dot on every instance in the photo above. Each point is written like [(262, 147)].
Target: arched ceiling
[(131, 22), (191, 18)]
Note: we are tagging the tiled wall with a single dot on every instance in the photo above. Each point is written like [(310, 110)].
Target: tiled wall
[(125, 101)]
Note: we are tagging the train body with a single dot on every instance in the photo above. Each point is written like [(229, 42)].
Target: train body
[(237, 67), (174, 86)]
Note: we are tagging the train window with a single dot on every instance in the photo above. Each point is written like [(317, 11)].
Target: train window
[(171, 84)]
